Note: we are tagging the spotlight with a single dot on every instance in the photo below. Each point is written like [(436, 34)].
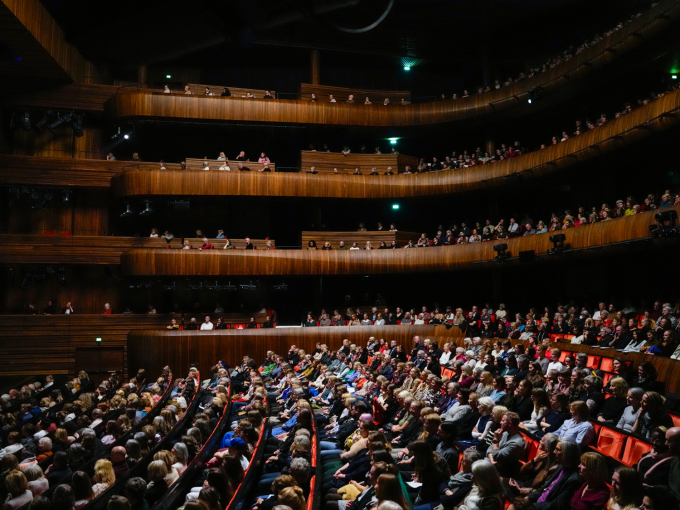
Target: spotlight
[(40, 126), (281, 286), (66, 198), (529, 101), (58, 121), (395, 206), (407, 68), (171, 287), (393, 141), (117, 135), (128, 211), (666, 224), (47, 198), (26, 121), (534, 93), (501, 249), (168, 76), (77, 125), (28, 279), (251, 287), (558, 244), (229, 287), (148, 211), (126, 136)]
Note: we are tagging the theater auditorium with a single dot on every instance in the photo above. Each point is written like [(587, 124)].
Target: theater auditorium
[(205, 302)]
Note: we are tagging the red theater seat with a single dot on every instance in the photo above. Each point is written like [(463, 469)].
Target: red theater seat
[(635, 448), (610, 443)]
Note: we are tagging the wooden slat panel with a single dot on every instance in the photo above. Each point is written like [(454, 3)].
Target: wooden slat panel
[(342, 93), (643, 122), (340, 262), (613, 47), (376, 236), (59, 249), (326, 162)]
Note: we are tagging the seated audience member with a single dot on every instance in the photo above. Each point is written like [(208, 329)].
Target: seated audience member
[(487, 490), (578, 428), (652, 415), (508, 446), (654, 466), (593, 493), (632, 411), (19, 492)]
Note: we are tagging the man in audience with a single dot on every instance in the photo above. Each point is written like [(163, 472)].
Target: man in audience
[(207, 325), (120, 465), (508, 447)]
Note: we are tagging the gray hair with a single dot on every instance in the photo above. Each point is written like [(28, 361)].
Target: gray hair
[(303, 442), (44, 444), (636, 392), (571, 453), (486, 403), (33, 472), (487, 479), (88, 432), (181, 452), (300, 467), (551, 441)]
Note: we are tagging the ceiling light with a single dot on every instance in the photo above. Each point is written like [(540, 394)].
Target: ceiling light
[(395, 206), (407, 68)]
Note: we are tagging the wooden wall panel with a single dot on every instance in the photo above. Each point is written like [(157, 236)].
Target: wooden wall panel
[(615, 46), (181, 348), (61, 144), (326, 162), (401, 237), (341, 262), (51, 40), (656, 116)]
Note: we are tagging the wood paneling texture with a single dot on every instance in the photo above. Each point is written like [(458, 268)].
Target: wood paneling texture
[(42, 344), (342, 93), (89, 249), (61, 144), (154, 349), (197, 164), (48, 37), (181, 348), (401, 237), (326, 162), (81, 97), (579, 240), (640, 123), (143, 104)]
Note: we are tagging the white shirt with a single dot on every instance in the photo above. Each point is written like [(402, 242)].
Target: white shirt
[(596, 315), (225, 167), (444, 358), (555, 366), (207, 326), (333, 100), (354, 248)]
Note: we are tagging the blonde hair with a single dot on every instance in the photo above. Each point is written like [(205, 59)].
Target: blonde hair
[(498, 412), (103, 472), (293, 497), (157, 470), (619, 387), (597, 465), (166, 457)]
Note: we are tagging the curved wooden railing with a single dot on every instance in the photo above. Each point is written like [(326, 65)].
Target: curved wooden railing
[(344, 262), (126, 105), (656, 116)]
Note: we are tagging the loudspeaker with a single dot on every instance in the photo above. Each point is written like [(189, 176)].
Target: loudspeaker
[(527, 257)]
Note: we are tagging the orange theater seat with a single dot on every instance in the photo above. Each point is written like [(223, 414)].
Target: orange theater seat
[(610, 443), (593, 362), (564, 355), (676, 420), (607, 364), (310, 499), (635, 448)]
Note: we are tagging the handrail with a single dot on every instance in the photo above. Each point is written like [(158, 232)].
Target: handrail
[(588, 240), (612, 47), (238, 501), (658, 115), (170, 499), (101, 501)]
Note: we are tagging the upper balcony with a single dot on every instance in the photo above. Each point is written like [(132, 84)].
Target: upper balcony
[(143, 104)]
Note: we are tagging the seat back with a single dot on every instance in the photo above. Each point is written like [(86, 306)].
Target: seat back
[(593, 362), (607, 364), (676, 420), (564, 355), (610, 443), (635, 448)]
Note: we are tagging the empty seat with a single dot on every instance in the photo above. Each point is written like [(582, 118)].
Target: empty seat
[(610, 443), (594, 362), (564, 355), (607, 364)]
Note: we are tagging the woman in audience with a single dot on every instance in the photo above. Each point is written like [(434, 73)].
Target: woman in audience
[(388, 488), (167, 457), (594, 493), (647, 376), (292, 497), (104, 476), (630, 413), (541, 407), (627, 490), (36, 479), (487, 492), (428, 469), (654, 466), (652, 414), (157, 486), (19, 492), (537, 470), (180, 455), (578, 428), (63, 498), (82, 489), (613, 407)]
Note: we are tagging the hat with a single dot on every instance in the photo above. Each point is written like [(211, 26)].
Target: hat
[(236, 443), (449, 308)]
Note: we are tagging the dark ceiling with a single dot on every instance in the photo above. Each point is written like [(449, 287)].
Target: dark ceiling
[(126, 33)]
